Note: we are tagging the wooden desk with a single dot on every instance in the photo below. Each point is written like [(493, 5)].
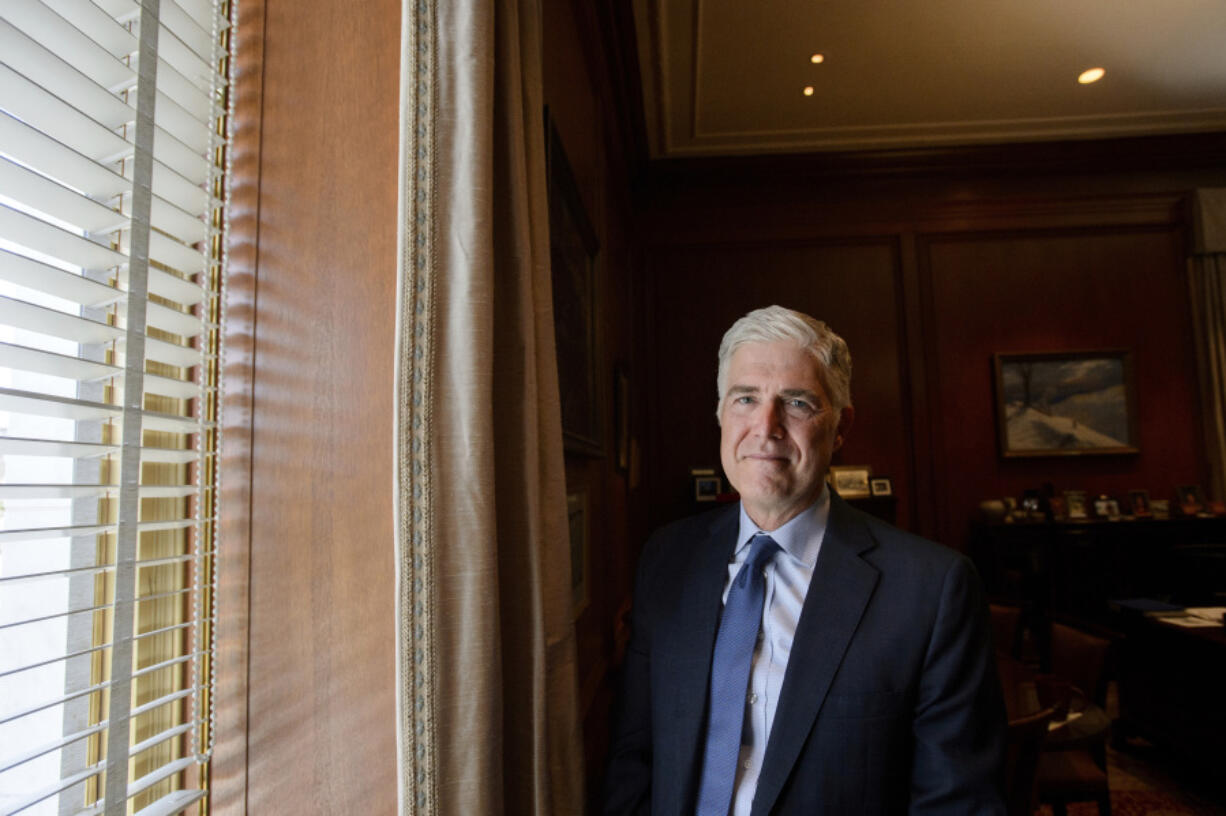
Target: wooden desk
[(1076, 567), (1170, 681)]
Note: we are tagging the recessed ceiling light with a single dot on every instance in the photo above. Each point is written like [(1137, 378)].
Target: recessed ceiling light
[(1092, 75), (817, 59), (808, 90)]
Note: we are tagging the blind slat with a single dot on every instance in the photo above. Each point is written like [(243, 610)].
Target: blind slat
[(62, 785), (79, 130), (167, 387), (171, 287), (193, 33), (48, 239), (45, 278), (43, 533), (19, 446), (28, 402), (111, 115), (49, 71), (56, 365), (43, 194), (55, 117), (172, 353), (35, 318), (62, 162), (96, 569), (164, 772), (99, 26), (9, 763), (172, 803), (99, 647), (86, 610), (72, 491), (170, 252), (41, 23)]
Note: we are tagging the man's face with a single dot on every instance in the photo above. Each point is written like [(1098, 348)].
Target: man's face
[(778, 430)]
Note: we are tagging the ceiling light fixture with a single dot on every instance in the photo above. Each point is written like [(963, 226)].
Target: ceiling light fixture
[(808, 90), (817, 59), (1092, 75)]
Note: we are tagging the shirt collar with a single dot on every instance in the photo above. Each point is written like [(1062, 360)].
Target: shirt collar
[(800, 538)]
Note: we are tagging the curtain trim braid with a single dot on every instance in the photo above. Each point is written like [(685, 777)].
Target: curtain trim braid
[(414, 522)]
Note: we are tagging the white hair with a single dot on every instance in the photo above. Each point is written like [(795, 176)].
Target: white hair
[(776, 323)]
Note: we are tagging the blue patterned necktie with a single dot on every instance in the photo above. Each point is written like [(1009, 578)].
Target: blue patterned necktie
[(734, 645)]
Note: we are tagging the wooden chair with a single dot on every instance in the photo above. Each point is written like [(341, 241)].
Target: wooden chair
[(1078, 774), (1083, 657), (1006, 627), (1023, 746)]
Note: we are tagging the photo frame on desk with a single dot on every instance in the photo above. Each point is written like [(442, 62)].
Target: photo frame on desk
[(1078, 403), (1138, 502), (572, 255), (881, 486), (851, 481)]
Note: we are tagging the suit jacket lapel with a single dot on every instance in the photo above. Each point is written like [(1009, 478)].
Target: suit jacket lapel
[(838, 594), (692, 642)]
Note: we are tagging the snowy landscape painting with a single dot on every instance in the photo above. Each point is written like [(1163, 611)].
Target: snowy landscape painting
[(1065, 404)]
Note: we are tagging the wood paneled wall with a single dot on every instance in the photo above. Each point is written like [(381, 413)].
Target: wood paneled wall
[(926, 278), (578, 90), (312, 684)]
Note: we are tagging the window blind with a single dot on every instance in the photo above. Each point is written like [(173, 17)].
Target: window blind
[(113, 117)]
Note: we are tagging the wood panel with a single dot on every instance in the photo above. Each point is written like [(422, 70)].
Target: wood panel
[(228, 769), (321, 707), (1039, 261), (1058, 291), (700, 291), (579, 88)]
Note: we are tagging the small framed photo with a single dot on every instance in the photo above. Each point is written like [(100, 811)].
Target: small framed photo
[(881, 486), (851, 481), (707, 487), (1191, 501), (1161, 508), (1106, 507), (1138, 500), (1075, 501), (1059, 508)]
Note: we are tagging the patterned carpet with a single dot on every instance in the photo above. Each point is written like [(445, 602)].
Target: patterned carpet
[(1145, 782)]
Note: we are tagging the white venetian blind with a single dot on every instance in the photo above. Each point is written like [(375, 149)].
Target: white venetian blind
[(112, 172)]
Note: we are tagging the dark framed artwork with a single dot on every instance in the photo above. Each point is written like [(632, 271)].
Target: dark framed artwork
[(1065, 403), (572, 255)]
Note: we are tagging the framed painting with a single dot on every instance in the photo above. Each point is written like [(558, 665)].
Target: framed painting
[(1065, 404), (572, 255)]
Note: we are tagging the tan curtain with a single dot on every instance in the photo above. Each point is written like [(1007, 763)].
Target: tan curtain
[(1207, 283), (488, 718)]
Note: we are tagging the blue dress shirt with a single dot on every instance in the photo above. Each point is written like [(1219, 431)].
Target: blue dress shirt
[(787, 583)]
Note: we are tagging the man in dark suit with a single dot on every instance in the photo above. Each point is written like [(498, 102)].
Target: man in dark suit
[(864, 681)]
